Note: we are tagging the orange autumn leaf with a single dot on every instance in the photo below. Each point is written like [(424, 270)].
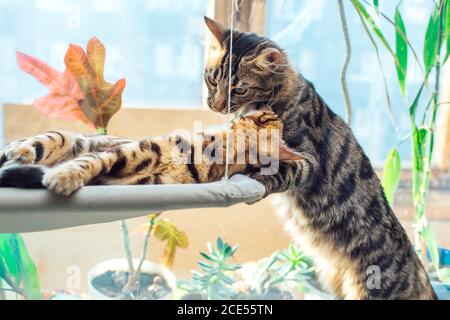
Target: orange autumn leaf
[(102, 99), (65, 93), (81, 92)]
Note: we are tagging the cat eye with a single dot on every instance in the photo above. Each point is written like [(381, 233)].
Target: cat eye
[(239, 91)]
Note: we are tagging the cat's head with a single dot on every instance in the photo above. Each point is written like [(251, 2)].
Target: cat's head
[(258, 70)]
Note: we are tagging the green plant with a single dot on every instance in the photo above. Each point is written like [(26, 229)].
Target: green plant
[(215, 280), (286, 265), (17, 269), (219, 279), (436, 49)]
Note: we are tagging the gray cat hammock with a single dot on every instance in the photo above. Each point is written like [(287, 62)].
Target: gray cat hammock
[(39, 210)]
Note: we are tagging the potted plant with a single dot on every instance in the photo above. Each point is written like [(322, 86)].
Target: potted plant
[(81, 93), (285, 275), (129, 278)]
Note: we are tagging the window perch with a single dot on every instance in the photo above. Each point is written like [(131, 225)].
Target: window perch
[(39, 210)]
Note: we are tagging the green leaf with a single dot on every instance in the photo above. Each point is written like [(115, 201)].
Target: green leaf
[(17, 264), (220, 244), (204, 266), (360, 8), (447, 28), (430, 48), (429, 238), (207, 257), (27, 268), (401, 50), (391, 175)]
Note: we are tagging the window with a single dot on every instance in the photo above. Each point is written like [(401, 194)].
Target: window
[(156, 45)]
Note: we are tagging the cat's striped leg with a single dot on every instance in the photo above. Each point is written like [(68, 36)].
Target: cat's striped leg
[(56, 146), (290, 174), (121, 161), (42, 149)]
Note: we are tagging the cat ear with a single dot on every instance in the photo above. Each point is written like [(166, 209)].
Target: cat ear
[(269, 58), (217, 30), (287, 154)]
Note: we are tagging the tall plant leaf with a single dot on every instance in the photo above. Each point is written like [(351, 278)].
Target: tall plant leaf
[(10, 265), (401, 50), (391, 175), (27, 269), (430, 47), (360, 8), (17, 265)]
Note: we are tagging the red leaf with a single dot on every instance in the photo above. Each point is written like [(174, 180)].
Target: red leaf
[(61, 106), (55, 81)]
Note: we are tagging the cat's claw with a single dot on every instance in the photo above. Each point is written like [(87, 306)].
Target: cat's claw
[(62, 182)]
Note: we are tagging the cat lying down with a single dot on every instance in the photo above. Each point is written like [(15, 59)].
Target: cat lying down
[(64, 162)]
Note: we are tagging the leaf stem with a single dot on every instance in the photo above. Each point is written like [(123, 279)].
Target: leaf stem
[(102, 130)]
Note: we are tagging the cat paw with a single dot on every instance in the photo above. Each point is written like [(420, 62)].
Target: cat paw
[(23, 152), (63, 181)]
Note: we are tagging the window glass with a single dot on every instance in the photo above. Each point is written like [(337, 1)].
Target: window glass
[(157, 46)]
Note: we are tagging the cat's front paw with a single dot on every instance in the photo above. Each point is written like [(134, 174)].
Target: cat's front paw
[(63, 181), (23, 152)]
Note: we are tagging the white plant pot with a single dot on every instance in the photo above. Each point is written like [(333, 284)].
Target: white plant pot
[(121, 264)]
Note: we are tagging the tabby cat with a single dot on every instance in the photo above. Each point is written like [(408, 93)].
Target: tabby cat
[(63, 162), (332, 203)]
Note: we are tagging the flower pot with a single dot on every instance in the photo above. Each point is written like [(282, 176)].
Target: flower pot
[(102, 282)]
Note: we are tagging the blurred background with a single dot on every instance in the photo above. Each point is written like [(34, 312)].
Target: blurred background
[(158, 46)]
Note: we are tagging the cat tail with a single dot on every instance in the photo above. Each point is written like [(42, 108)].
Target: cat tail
[(22, 176)]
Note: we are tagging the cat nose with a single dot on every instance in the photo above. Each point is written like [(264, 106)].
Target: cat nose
[(219, 105)]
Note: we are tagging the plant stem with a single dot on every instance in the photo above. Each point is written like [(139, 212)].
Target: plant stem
[(126, 244), (102, 130), (135, 275), (425, 179), (348, 55)]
